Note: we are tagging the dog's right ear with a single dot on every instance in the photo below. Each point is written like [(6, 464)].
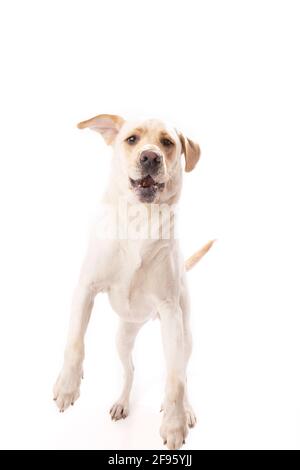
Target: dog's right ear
[(108, 125)]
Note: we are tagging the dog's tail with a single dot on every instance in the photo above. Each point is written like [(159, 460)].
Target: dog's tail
[(190, 262)]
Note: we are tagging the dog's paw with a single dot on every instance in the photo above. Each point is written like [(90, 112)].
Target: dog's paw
[(119, 410), (174, 430), (66, 389), (191, 417)]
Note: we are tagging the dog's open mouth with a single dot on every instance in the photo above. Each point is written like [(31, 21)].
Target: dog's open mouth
[(146, 188), (146, 182)]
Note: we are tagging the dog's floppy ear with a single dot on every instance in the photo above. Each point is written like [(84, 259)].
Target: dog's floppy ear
[(108, 125), (191, 152)]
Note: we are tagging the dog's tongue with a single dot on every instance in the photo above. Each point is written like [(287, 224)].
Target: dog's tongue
[(148, 181)]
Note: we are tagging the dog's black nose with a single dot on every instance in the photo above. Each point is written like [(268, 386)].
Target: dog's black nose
[(150, 161)]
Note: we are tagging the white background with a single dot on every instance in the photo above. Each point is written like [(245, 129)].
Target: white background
[(227, 74)]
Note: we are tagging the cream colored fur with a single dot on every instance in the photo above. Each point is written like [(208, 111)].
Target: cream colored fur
[(143, 278)]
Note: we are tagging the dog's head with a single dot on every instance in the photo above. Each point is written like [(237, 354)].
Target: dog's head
[(147, 154)]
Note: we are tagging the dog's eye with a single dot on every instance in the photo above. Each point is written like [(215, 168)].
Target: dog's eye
[(132, 139), (166, 142)]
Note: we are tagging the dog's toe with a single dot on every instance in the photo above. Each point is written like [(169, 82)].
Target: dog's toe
[(191, 417), (119, 411), (66, 390), (174, 430), (174, 439)]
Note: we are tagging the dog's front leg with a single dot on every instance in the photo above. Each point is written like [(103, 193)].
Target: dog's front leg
[(174, 427), (66, 389)]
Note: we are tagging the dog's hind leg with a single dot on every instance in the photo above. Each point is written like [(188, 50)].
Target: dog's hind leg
[(125, 341)]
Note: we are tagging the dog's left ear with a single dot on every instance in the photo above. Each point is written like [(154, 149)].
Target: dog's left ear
[(108, 125), (191, 152)]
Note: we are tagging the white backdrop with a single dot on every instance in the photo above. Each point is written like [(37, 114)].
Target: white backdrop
[(227, 74)]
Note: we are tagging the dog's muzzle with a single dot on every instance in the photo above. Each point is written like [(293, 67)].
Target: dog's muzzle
[(150, 166)]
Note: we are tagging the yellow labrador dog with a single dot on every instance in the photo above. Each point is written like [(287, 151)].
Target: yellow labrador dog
[(138, 264)]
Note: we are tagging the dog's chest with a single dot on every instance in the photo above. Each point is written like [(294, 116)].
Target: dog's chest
[(133, 292)]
